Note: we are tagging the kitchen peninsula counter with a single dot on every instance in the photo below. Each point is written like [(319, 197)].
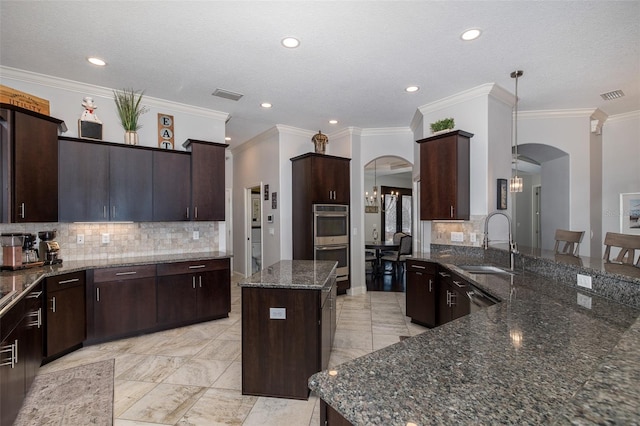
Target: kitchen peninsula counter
[(15, 284), (288, 323), (549, 353)]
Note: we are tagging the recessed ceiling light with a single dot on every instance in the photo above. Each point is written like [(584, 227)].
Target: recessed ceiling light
[(333, 121), (290, 42), (96, 61), (412, 89), (470, 34), (266, 105)]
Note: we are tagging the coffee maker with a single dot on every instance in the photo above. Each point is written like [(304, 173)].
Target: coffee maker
[(29, 251), (12, 250), (49, 249)]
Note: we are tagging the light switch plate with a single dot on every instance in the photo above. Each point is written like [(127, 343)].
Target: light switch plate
[(80, 239), (196, 235), (105, 239), (457, 237), (278, 313)]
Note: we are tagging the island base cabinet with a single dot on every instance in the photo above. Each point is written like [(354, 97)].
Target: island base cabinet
[(421, 293), (280, 341), (330, 417)]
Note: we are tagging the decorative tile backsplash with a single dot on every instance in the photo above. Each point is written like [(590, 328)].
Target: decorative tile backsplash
[(441, 231), (126, 239)]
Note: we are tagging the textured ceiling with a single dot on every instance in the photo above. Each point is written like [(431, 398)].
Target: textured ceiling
[(354, 60)]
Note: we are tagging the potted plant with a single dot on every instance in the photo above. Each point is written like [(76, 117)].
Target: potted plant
[(129, 110), (441, 126)]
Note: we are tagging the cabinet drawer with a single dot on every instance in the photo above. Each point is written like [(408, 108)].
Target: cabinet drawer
[(123, 273), (33, 300), (61, 282), (421, 266), (191, 267)]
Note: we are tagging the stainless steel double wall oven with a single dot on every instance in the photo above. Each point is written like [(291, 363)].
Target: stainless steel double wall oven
[(331, 236)]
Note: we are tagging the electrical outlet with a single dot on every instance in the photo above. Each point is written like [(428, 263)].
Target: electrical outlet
[(457, 237), (80, 238), (473, 237), (584, 281), (105, 239), (196, 235)]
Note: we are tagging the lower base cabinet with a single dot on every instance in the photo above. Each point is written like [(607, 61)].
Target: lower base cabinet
[(20, 352), (453, 300), (421, 292), (193, 291), (330, 417), (65, 313), (123, 301)]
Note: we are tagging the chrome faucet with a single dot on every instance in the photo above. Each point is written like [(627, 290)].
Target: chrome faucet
[(513, 247)]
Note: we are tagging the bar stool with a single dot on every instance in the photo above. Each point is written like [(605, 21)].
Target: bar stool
[(628, 244), (571, 240)]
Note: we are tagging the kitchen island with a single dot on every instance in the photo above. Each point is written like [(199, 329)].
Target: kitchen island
[(288, 323), (549, 353)]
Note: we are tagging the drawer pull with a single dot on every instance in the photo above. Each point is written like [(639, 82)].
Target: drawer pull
[(444, 274), (34, 295), (126, 273), (97, 294), (460, 285), (418, 267), (197, 266), (53, 304), (73, 280), (430, 285)]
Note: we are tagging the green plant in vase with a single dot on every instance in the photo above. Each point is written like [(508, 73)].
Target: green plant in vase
[(128, 103), (442, 125)]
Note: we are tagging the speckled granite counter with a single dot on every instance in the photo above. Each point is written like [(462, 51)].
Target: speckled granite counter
[(15, 284), (294, 274), (548, 353)]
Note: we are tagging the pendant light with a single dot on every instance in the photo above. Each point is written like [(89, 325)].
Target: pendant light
[(515, 184), (371, 203)]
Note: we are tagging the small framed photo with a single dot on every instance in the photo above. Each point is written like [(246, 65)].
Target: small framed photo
[(502, 194), (274, 200), (630, 213), (266, 192)]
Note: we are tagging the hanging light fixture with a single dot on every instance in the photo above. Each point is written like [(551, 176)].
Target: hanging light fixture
[(371, 202), (515, 184)]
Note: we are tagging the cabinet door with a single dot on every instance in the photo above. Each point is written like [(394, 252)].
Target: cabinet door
[(421, 295), (459, 300), (35, 197), (12, 383), (325, 333), (130, 184), (214, 294), (33, 328), (176, 298), (65, 319), (171, 186), (122, 307), (83, 181), (207, 181), (330, 180)]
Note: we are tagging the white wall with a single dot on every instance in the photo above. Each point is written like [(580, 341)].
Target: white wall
[(555, 208), (620, 164)]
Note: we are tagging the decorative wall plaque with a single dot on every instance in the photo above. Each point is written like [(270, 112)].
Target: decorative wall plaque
[(165, 131)]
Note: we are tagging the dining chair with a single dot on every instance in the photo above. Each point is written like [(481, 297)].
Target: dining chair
[(404, 251), (396, 240), (571, 240), (370, 257), (627, 243)]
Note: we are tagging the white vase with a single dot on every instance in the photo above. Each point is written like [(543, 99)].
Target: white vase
[(131, 137)]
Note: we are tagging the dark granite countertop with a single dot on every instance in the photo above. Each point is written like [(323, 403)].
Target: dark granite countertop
[(293, 274), (549, 352), (15, 284)]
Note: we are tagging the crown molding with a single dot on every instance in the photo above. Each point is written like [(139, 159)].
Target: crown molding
[(557, 113), (387, 131), (295, 131), (631, 115), (465, 96), (346, 132), (84, 88), (271, 132)]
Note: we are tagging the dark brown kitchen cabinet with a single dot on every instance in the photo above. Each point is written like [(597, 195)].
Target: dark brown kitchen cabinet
[(104, 182), (421, 292), (33, 333), (171, 186), (29, 165), (122, 301), (444, 176), (330, 417), (65, 313), (453, 300), (193, 291), (316, 179), (207, 179), (328, 324)]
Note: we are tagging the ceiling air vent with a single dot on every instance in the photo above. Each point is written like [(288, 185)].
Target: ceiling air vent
[(221, 93), (609, 96)]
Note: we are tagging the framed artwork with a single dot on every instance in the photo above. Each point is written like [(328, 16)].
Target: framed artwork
[(630, 213), (502, 194), (274, 200), (266, 192), (255, 209)]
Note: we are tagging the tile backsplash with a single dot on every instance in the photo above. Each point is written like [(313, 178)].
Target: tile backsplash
[(127, 239), (441, 231)]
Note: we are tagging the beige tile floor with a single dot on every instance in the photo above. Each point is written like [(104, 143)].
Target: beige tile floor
[(192, 375)]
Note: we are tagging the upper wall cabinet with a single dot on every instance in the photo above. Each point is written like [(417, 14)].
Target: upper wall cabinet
[(207, 179), (104, 182), (444, 176), (171, 186), (319, 178), (29, 165)]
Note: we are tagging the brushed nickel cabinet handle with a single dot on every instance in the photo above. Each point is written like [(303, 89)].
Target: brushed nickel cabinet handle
[(97, 294), (196, 266), (73, 280), (193, 281), (200, 280), (126, 273), (53, 304)]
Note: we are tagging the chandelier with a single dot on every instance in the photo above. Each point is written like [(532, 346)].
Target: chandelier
[(371, 201), (515, 184)]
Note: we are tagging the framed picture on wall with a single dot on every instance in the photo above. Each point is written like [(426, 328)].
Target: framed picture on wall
[(630, 213), (502, 194)]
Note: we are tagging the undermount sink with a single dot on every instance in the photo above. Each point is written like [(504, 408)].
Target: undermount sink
[(485, 269)]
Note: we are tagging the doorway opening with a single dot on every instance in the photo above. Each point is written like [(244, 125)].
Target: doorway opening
[(253, 215)]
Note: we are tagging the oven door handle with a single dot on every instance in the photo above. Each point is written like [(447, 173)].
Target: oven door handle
[(332, 247), (324, 214)]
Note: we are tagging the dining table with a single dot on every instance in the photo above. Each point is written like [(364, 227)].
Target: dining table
[(380, 247)]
